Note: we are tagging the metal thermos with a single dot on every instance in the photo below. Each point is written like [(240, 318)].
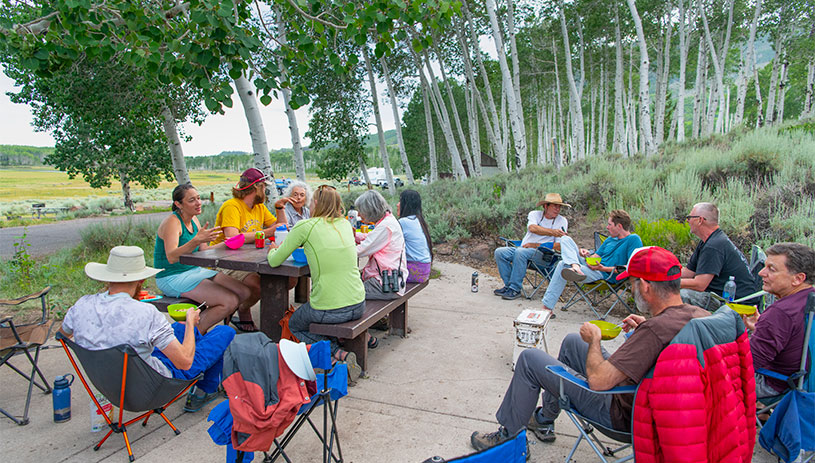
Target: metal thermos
[(62, 398), (474, 282)]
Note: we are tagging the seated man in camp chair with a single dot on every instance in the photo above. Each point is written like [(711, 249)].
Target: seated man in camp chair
[(573, 265), (115, 317), (777, 338), (655, 276), (544, 228)]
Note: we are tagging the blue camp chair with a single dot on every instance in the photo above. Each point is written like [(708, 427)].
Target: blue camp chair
[(512, 450), (536, 275), (790, 429)]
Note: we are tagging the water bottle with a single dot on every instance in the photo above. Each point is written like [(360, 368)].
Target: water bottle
[(729, 292), (62, 398), (280, 234)]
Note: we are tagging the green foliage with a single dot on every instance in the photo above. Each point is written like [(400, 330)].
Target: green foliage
[(22, 264), (669, 234), (16, 155)]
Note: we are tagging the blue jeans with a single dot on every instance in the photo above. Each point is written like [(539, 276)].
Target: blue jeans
[(512, 263), (209, 355), (570, 254)]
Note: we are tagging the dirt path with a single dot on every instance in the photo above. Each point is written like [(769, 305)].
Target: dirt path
[(52, 237)]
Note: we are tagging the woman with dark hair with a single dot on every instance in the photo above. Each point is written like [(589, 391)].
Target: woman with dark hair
[(182, 233), (418, 247)]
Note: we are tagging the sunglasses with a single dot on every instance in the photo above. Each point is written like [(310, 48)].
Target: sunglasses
[(323, 187), (688, 217)]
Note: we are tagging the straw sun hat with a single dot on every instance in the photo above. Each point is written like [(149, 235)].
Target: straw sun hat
[(553, 198), (125, 265)]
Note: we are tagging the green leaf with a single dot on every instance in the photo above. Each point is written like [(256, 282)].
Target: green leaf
[(265, 100), (235, 72), (211, 104), (227, 102), (380, 50)]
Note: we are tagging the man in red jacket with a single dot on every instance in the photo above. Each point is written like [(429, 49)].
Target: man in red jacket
[(655, 274)]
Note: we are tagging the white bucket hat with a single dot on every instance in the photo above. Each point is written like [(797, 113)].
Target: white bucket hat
[(296, 357), (125, 264)]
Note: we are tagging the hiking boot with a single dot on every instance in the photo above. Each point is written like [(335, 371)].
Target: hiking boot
[(500, 291), (544, 432), (511, 294), (350, 360), (197, 401), (482, 440)]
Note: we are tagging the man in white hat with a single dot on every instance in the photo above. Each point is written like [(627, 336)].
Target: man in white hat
[(544, 228), (115, 317)]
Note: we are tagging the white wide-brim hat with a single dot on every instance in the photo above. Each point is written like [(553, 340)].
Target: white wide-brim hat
[(296, 357), (125, 264)]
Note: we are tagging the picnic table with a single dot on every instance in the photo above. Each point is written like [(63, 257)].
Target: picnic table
[(274, 281)]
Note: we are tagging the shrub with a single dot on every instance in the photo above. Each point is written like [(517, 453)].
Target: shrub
[(669, 234)]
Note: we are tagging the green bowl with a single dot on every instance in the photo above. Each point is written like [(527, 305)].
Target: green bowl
[(608, 330), (178, 312), (593, 260), (742, 309)]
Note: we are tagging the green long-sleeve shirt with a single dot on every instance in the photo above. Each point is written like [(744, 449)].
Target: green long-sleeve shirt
[(332, 258)]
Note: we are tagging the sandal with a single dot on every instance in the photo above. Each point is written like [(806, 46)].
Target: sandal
[(570, 274), (244, 326), (373, 342)]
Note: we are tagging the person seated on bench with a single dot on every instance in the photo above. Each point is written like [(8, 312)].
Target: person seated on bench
[(181, 233), (337, 294), (418, 247), (777, 337), (115, 317), (384, 247), (614, 251), (655, 281), (246, 213)]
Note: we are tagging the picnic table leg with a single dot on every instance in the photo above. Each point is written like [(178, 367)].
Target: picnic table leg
[(397, 320), (302, 289), (359, 346), (274, 300)]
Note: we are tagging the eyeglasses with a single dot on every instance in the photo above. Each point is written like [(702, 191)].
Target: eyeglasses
[(688, 217)]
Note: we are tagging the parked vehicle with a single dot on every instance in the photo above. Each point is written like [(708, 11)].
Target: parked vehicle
[(396, 181), (281, 184)]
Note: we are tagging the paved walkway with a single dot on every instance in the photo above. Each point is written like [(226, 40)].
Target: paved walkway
[(424, 395)]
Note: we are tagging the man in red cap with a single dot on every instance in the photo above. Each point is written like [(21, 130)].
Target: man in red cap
[(655, 274), (246, 213)]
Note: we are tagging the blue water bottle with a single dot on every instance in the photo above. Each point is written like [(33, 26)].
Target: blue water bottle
[(62, 398)]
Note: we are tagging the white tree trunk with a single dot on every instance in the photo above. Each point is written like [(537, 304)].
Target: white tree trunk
[(782, 89), (809, 92), (699, 89), (769, 118), (645, 97), (749, 65), (723, 114), (679, 112), (260, 148), (294, 130), (592, 120), (662, 91), (558, 147), (475, 139), (618, 144), (516, 71), (431, 138), (603, 137), (575, 108), (174, 142), (515, 118), (383, 150), (465, 148), (398, 123), (125, 182)]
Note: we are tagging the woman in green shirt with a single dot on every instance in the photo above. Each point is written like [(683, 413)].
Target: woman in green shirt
[(337, 294)]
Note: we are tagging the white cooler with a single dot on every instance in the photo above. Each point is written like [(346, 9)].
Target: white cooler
[(530, 331)]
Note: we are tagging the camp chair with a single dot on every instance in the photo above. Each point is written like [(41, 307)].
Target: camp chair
[(512, 450), (536, 275), (719, 331), (21, 339), (802, 393), (128, 382), (595, 292)]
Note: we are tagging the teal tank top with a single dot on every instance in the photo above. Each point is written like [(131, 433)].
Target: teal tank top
[(160, 256)]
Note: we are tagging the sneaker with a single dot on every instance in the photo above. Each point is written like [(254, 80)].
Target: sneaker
[(569, 274), (511, 294), (196, 402), (544, 432), (482, 440), (500, 291)]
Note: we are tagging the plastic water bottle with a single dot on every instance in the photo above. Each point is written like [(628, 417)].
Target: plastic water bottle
[(729, 292), (280, 234), (62, 398)]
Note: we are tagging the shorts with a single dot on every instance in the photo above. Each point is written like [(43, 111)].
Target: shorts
[(239, 275), (179, 283)]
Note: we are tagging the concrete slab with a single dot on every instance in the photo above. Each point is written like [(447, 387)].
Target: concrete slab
[(423, 396)]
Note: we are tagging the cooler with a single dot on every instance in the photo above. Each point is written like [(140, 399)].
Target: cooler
[(530, 331)]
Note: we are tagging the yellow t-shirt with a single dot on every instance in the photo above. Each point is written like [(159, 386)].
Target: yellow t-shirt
[(235, 213)]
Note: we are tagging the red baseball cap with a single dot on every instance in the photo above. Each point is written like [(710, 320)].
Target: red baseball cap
[(251, 176), (652, 263)]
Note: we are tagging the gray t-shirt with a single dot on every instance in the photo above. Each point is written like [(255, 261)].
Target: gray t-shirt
[(99, 321)]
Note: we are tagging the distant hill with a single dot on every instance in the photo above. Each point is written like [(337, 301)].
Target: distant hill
[(373, 139), (21, 155)]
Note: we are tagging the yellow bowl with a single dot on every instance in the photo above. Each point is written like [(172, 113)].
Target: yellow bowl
[(608, 330), (742, 309), (178, 312), (593, 260)]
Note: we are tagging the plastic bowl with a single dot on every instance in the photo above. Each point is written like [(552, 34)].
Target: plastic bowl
[(742, 309), (593, 260), (299, 256), (236, 241), (178, 312), (608, 330)]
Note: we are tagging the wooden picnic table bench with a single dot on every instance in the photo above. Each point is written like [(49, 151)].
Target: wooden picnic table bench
[(354, 332), (39, 210)]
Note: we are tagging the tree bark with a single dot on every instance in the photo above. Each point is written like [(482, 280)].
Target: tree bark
[(128, 200), (260, 148), (294, 130), (618, 145), (809, 92), (683, 63), (575, 108), (516, 71), (645, 97), (749, 65), (397, 122), (176, 152), (431, 138), (465, 148), (383, 150), (699, 89), (558, 153), (662, 91), (769, 118), (782, 88)]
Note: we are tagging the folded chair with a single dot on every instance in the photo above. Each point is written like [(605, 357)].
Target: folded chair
[(512, 450), (21, 340), (536, 275), (710, 354), (595, 292), (128, 382)]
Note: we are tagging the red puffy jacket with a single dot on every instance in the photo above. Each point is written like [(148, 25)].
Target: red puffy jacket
[(698, 404)]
